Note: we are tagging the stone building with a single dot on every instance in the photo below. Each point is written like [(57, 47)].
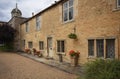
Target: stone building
[(96, 24), (15, 21), (2, 22)]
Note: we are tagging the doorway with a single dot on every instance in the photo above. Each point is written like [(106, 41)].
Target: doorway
[(49, 47)]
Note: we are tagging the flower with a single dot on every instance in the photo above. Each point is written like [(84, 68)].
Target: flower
[(73, 53), (27, 50)]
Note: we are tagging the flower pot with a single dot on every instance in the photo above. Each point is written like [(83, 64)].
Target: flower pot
[(74, 61)]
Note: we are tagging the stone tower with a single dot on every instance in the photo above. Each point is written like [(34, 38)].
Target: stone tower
[(16, 12), (15, 21)]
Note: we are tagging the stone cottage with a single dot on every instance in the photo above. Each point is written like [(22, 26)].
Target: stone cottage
[(96, 24)]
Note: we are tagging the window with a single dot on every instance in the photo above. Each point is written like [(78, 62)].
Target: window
[(60, 46), (90, 47), (118, 3), (110, 48), (27, 27), (41, 45), (68, 11), (100, 47), (37, 23), (30, 45), (23, 43)]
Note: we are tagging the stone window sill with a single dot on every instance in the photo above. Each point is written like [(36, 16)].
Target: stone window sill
[(116, 9), (69, 21), (91, 57), (62, 53)]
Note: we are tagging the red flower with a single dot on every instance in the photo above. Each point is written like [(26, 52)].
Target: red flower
[(71, 52), (74, 53), (27, 50)]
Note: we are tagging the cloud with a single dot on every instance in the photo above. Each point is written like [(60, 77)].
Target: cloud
[(26, 7)]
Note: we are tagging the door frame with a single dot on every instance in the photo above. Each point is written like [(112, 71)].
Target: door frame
[(48, 51)]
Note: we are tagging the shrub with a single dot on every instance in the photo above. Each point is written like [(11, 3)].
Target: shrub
[(7, 47), (103, 69)]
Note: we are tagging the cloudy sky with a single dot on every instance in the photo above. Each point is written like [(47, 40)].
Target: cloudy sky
[(26, 7)]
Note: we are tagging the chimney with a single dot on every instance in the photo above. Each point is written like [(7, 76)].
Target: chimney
[(32, 13), (55, 1)]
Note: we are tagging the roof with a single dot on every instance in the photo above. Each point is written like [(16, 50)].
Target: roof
[(17, 17), (56, 2), (15, 10), (3, 22)]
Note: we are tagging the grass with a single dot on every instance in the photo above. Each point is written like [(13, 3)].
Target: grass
[(6, 47)]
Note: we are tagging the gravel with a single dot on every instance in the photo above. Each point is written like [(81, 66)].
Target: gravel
[(14, 66)]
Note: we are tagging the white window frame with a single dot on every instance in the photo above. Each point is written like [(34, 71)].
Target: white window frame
[(68, 9), (38, 23), (118, 5)]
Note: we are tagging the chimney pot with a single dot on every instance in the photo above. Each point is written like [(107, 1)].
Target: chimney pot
[(32, 13)]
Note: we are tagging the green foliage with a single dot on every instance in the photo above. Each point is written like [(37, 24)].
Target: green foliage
[(7, 33), (72, 36), (103, 69), (7, 47)]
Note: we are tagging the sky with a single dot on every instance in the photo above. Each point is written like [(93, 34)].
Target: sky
[(27, 7)]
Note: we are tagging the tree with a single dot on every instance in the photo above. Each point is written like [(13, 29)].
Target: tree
[(7, 33)]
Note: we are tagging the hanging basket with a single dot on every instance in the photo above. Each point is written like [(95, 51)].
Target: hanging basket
[(72, 36)]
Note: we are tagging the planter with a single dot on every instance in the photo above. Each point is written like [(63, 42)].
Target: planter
[(60, 57), (72, 36), (74, 61)]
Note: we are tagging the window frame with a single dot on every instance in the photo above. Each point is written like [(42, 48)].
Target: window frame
[(26, 27), (99, 46), (89, 51), (30, 44), (41, 45), (108, 42), (106, 48), (68, 7), (24, 43), (38, 25), (62, 48), (118, 3)]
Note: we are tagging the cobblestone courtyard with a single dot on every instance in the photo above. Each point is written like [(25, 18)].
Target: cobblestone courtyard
[(14, 66)]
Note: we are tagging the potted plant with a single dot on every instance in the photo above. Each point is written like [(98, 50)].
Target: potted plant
[(34, 51), (27, 50), (39, 54), (72, 36), (74, 55)]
